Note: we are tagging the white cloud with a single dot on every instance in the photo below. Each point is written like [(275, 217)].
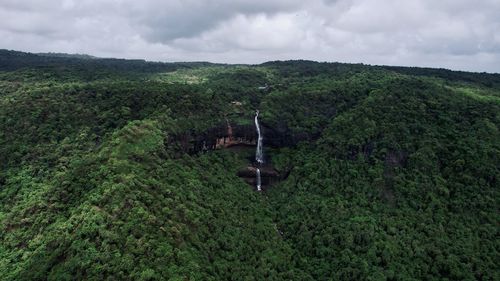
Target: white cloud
[(457, 34)]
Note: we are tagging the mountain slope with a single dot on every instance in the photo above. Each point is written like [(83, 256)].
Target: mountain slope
[(384, 173)]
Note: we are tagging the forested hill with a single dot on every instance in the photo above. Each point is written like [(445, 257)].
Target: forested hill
[(83, 67), (383, 173)]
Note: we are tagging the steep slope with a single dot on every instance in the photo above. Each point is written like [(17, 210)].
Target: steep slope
[(404, 185), (129, 211), (387, 173)]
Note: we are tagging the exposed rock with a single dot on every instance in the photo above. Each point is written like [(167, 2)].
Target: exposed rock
[(268, 175), (234, 136), (222, 136), (265, 171), (281, 136), (227, 135)]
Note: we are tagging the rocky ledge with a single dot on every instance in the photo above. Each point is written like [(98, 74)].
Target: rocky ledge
[(268, 175), (227, 135)]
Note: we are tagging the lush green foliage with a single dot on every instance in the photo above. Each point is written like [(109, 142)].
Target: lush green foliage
[(395, 177)]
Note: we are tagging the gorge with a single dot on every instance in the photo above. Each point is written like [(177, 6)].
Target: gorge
[(121, 170)]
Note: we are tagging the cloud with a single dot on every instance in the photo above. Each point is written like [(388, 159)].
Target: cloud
[(457, 34), (164, 21)]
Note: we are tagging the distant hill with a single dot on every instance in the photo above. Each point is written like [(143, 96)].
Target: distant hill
[(64, 55), (10, 60)]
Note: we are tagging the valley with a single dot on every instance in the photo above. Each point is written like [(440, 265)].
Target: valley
[(131, 170)]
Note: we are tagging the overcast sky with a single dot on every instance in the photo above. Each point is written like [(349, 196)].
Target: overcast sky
[(456, 34)]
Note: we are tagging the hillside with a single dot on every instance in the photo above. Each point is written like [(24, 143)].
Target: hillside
[(113, 169)]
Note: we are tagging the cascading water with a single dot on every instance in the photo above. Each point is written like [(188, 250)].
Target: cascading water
[(259, 155), (258, 180)]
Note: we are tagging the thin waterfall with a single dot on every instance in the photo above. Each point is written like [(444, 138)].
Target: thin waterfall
[(259, 154), (258, 180)]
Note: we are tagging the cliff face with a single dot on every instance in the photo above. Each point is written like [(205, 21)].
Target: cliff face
[(281, 136), (227, 135), (222, 136), (269, 175)]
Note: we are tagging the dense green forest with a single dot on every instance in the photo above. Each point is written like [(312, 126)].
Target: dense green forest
[(386, 173)]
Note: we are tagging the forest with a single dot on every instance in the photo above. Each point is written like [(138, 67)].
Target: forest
[(382, 173)]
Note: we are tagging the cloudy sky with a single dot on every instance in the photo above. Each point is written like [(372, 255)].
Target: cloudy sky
[(456, 34)]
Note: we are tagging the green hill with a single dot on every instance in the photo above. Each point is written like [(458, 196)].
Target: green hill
[(385, 173)]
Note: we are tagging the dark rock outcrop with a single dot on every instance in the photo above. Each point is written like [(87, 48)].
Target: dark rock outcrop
[(222, 136), (233, 135), (227, 135), (268, 175), (281, 136)]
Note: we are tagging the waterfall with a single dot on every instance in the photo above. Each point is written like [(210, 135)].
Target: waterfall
[(258, 180), (259, 155)]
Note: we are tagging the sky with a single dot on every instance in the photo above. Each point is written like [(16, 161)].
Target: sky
[(454, 34)]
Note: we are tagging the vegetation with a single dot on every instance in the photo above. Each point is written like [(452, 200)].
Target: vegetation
[(388, 174)]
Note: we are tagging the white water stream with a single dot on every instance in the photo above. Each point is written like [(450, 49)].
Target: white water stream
[(259, 154)]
